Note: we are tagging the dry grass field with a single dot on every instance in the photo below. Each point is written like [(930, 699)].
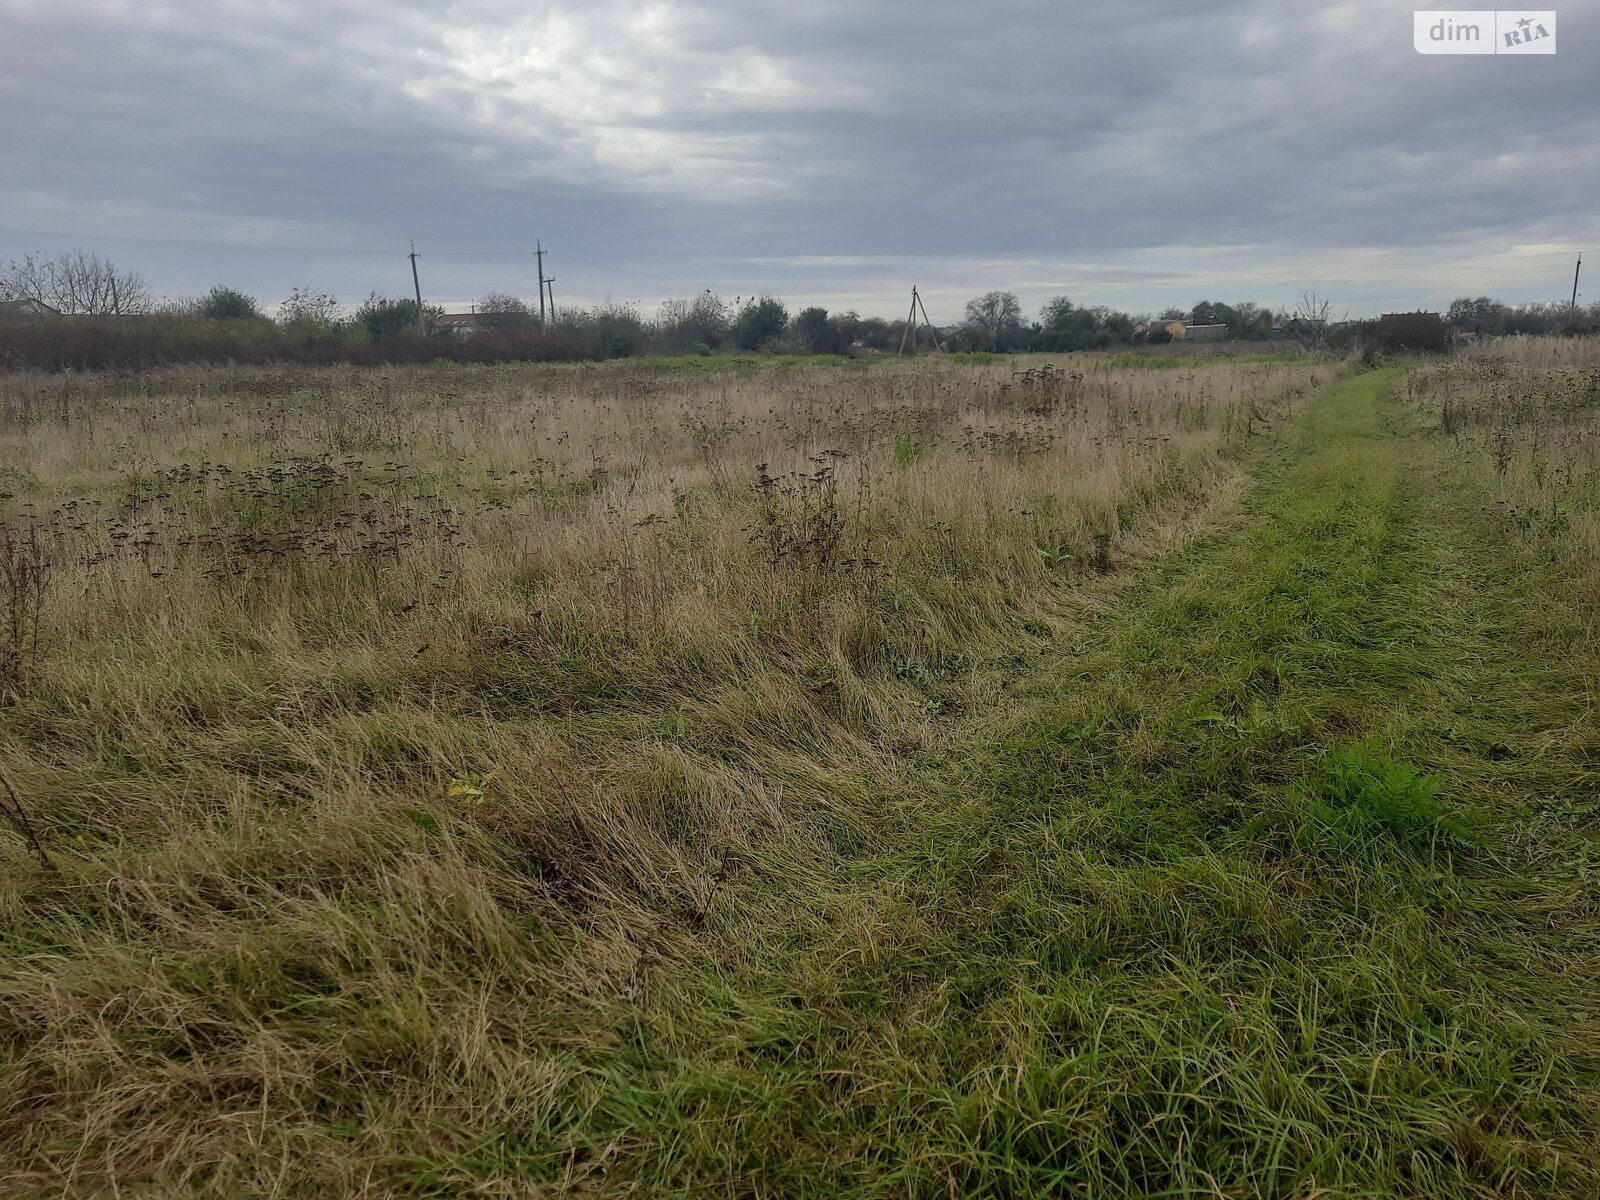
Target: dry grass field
[(1100, 776), (1522, 416), (380, 728)]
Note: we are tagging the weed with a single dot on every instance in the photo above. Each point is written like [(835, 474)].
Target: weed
[(1363, 799), (26, 571), (800, 518)]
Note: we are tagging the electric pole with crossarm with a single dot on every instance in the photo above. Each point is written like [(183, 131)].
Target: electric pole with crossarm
[(417, 284), (539, 253)]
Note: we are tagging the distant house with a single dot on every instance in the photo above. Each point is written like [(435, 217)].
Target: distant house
[(27, 307), (1183, 331), (460, 324), (473, 323)]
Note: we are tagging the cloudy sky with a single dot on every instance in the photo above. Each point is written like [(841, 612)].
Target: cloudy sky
[(1138, 153)]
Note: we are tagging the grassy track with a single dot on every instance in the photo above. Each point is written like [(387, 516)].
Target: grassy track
[(1275, 886)]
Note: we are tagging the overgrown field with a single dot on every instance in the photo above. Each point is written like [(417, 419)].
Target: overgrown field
[(1522, 416), (986, 779), (384, 734)]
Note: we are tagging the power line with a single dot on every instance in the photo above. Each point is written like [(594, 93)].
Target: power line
[(115, 237), (463, 256), (626, 270), (487, 254), (105, 216), (217, 224)]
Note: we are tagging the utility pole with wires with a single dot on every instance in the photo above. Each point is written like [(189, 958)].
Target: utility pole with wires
[(416, 283), (539, 253), (933, 330), (1572, 309), (911, 324)]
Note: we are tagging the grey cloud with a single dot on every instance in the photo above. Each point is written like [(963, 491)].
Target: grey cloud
[(1123, 152)]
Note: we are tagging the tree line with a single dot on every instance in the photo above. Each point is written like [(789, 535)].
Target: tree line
[(227, 324), (1484, 317)]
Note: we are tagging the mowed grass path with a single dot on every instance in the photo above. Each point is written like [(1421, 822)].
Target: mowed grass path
[(1275, 885)]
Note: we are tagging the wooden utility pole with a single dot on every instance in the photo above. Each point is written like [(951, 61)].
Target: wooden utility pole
[(1572, 310), (550, 282), (933, 331), (911, 324), (417, 284), (540, 254)]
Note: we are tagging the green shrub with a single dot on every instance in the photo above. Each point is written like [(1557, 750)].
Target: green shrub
[(228, 304)]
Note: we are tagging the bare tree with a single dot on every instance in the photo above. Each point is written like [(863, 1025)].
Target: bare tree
[(1311, 320), (705, 321), (503, 302), (501, 310), (996, 317), (309, 308), (24, 279), (76, 282)]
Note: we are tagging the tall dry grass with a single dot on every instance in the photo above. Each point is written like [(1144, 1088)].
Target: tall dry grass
[(1523, 414), (1528, 351), (385, 730)]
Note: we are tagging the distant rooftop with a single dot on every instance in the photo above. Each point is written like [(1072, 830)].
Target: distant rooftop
[(27, 307)]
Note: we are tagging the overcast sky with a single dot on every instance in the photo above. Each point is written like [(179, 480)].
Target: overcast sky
[(1137, 153)]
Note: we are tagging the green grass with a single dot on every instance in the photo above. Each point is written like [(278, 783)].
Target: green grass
[(1239, 898)]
